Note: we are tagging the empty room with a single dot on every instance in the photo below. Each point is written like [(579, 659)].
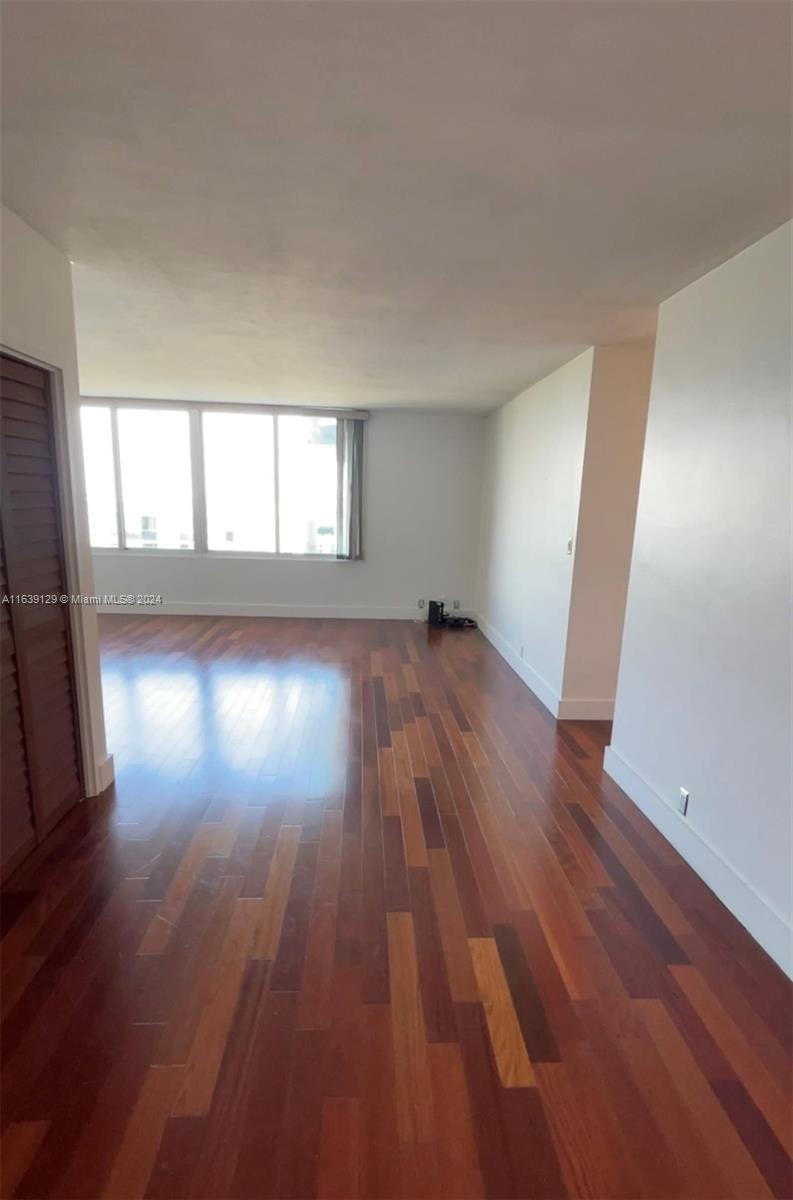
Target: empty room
[(395, 600)]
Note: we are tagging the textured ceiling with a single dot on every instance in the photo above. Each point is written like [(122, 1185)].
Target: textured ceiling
[(379, 204)]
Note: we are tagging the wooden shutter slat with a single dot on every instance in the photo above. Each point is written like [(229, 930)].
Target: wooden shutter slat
[(24, 481), (15, 781), (47, 618), (27, 500), (8, 666), (29, 520), (14, 445), (58, 745), (24, 411), (46, 650), (25, 430), (23, 393), (58, 773), (38, 546), (38, 583), (12, 368), (10, 703), (25, 464), (54, 671)]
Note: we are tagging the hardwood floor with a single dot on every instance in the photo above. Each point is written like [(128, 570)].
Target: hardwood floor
[(362, 920)]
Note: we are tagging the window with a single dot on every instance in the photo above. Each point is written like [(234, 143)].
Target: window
[(239, 470), (100, 476), (156, 479), (307, 484), (220, 479)]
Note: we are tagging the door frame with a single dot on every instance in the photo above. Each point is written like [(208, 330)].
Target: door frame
[(97, 774)]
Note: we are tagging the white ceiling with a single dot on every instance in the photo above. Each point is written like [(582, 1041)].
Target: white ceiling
[(379, 204)]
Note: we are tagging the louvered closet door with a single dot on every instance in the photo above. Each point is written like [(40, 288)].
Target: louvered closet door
[(34, 565), (17, 835)]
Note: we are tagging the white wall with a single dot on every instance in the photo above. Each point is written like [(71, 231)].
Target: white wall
[(421, 526), (37, 320), (563, 462), (703, 699), (534, 460), (616, 423)]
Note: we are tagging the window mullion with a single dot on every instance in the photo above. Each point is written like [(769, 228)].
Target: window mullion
[(277, 507), (120, 523)]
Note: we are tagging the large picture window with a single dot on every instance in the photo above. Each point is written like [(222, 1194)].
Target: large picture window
[(239, 473), (156, 484), (307, 484), (216, 479), (100, 476)]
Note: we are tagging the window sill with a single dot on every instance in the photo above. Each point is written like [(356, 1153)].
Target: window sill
[(221, 555)]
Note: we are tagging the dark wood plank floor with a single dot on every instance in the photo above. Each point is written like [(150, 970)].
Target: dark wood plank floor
[(361, 920)]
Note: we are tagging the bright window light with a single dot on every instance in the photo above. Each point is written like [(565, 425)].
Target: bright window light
[(307, 484), (219, 479), (156, 486), (100, 477), (239, 481)]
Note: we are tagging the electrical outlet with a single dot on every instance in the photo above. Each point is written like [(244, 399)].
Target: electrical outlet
[(421, 603), (455, 604), (682, 804)]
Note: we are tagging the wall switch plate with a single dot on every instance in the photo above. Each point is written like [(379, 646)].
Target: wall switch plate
[(569, 545), (421, 603), (455, 604), (682, 805)]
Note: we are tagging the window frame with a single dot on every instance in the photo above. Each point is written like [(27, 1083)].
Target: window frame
[(195, 409)]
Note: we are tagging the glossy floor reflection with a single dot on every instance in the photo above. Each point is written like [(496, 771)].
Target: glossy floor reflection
[(361, 920), (257, 729)]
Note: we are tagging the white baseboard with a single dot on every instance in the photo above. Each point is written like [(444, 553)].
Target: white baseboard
[(764, 923), (562, 709), (218, 608), (585, 710), (105, 772), (534, 682), (100, 777)]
